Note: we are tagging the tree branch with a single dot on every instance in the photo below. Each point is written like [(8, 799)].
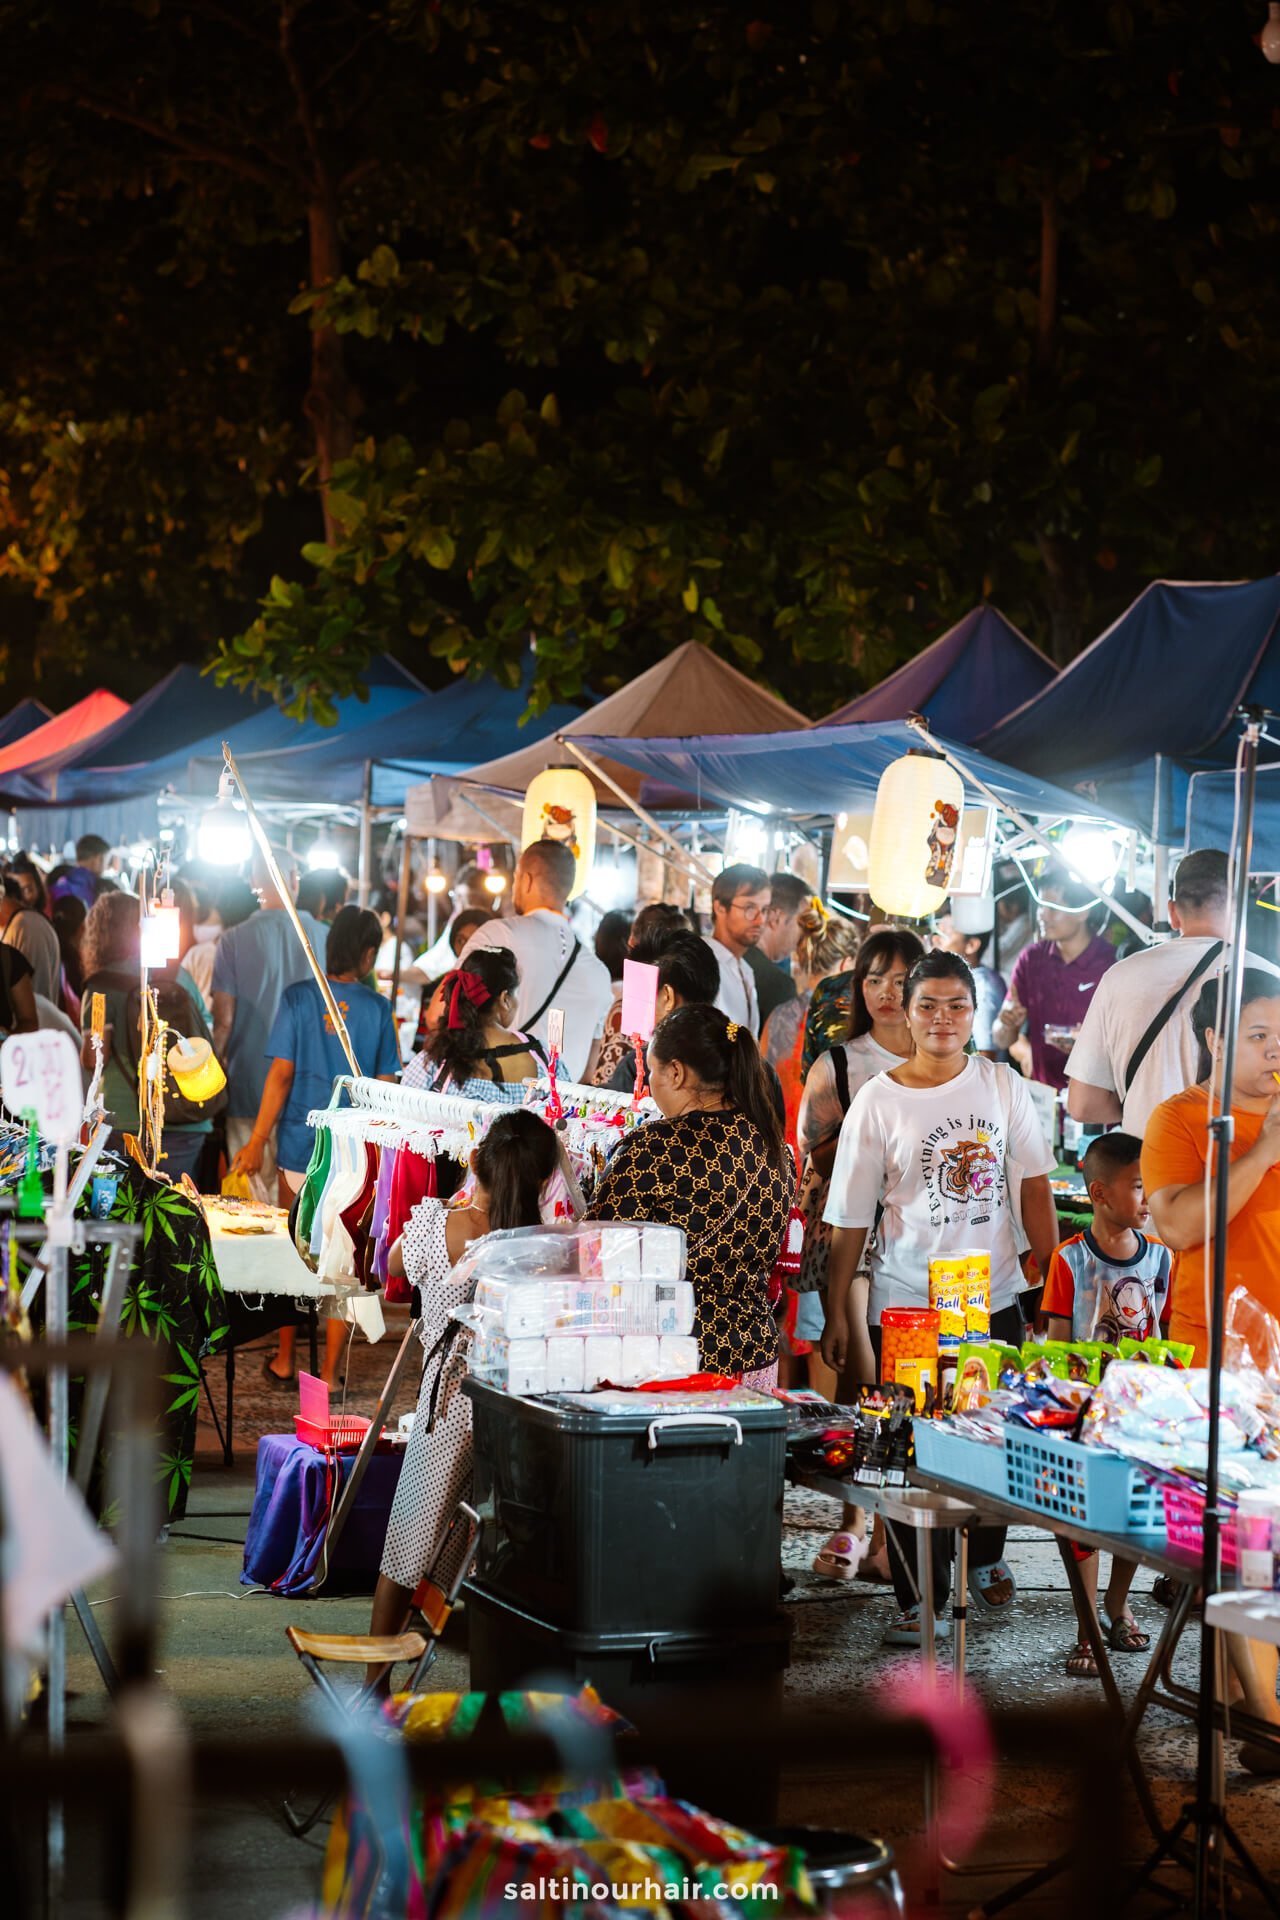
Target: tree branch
[(182, 143)]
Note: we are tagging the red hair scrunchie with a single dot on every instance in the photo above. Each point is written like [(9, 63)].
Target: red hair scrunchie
[(464, 985)]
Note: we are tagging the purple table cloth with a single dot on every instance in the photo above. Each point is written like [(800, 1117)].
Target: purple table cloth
[(296, 1489)]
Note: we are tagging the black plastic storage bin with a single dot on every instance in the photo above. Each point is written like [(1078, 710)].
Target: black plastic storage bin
[(646, 1520), (652, 1679)]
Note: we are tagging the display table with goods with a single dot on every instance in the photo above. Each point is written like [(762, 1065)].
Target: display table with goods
[(266, 1284), (1105, 1449)]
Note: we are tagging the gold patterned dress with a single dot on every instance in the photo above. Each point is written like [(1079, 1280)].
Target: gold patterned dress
[(711, 1174)]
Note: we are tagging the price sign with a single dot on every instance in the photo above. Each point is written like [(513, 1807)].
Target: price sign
[(639, 999), (555, 1031), (40, 1074)]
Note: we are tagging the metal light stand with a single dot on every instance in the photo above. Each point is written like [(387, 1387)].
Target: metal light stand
[(1205, 1817)]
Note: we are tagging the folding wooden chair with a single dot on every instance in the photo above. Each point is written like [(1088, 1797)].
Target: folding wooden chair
[(432, 1600)]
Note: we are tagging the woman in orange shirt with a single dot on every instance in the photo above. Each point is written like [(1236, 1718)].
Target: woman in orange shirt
[(1174, 1154)]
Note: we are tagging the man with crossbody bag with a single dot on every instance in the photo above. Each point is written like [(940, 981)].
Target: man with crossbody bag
[(1135, 1048), (556, 970)]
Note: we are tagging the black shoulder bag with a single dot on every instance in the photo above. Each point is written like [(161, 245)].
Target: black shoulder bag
[(1165, 1014)]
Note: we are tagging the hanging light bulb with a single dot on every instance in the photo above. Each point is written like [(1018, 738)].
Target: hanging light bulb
[(1270, 38), (322, 853), (435, 882), (495, 882), (561, 805), (224, 839), (914, 833)]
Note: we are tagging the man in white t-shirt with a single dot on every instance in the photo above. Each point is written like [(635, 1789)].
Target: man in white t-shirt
[(556, 970), (739, 902), (1101, 1087)]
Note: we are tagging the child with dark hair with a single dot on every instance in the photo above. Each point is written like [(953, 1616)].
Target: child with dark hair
[(1108, 1283), (511, 1165)]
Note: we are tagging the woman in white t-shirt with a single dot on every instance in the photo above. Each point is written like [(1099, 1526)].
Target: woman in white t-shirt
[(878, 1038), (940, 1142)]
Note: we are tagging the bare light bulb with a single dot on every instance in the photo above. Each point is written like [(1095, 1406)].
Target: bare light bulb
[(435, 881), (1270, 41), (495, 882)]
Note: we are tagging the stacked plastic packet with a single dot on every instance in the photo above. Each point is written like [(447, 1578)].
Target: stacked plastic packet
[(575, 1306)]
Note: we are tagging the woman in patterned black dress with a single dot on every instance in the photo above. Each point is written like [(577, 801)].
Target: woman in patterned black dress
[(512, 1164), (717, 1165)]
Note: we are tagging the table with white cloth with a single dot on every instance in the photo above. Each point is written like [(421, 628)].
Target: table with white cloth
[(267, 1283)]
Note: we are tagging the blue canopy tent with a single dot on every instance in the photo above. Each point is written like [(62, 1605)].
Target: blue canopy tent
[(22, 720), (111, 783), (468, 722), (979, 669), (1153, 701), (820, 772)]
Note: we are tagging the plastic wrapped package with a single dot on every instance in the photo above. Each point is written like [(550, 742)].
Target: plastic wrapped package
[(574, 1306)]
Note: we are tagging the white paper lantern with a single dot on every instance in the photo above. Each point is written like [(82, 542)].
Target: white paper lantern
[(914, 834), (561, 805)]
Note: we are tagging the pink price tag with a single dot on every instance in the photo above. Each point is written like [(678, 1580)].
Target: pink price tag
[(40, 1074), (639, 998)]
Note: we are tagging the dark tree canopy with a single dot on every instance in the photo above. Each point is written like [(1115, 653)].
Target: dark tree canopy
[(795, 328)]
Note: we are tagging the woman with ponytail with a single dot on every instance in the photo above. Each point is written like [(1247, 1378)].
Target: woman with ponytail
[(511, 1166), (474, 1051), (717, 1165)]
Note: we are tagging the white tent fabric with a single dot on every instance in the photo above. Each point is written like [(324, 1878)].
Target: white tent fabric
[(692, 687)]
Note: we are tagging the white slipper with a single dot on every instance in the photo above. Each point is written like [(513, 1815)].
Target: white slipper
[(841, 1557)]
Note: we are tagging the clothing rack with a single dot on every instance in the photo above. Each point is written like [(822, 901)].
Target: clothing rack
[(442, 1123)]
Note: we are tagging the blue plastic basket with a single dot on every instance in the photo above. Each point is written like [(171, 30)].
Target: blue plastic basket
[(1088, 1485), (951, 1456)]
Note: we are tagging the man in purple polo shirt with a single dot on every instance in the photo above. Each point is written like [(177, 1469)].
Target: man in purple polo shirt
[(1055, 978)]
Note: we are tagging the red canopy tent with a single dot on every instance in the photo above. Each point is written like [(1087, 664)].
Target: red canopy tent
[(88, 716)]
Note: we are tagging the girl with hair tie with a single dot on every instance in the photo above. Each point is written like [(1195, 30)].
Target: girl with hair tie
[(511, 1165), (473, 1050), (717, 1165)]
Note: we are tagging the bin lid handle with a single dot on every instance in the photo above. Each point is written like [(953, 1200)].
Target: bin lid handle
[(725, 1420)]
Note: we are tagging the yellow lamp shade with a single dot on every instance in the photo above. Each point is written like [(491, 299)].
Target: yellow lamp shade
[(914, 834), (194, 1065), (561, 805)]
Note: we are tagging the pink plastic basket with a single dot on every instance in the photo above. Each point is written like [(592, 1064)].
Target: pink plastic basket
[(317, 1426), (1184, 1523)]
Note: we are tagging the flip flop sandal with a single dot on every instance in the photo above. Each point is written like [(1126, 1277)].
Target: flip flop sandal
[(905, 1630), (841, 1557), (1124, 1635), (1081, 1664), (982, 1579)]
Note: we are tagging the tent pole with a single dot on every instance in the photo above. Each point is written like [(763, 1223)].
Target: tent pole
[(402, 914), (277, 880), (365, 864), (1160, 905), (433, 911), (632, 806), (966, 773)]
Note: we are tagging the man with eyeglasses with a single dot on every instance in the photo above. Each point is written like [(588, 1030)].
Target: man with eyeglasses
[(739, 902)]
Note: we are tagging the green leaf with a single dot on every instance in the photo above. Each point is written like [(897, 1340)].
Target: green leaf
[(317, 553)]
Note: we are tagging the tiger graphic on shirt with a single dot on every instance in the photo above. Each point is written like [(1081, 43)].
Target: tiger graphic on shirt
[(962, 1166)]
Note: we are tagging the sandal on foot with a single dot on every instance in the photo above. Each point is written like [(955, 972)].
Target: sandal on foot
[(905, 1630), (841, 1557), (877, 1572), (1081, 1664), (982, 1581), (1124, 1635), (1256, 1757), (274, 1379)]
